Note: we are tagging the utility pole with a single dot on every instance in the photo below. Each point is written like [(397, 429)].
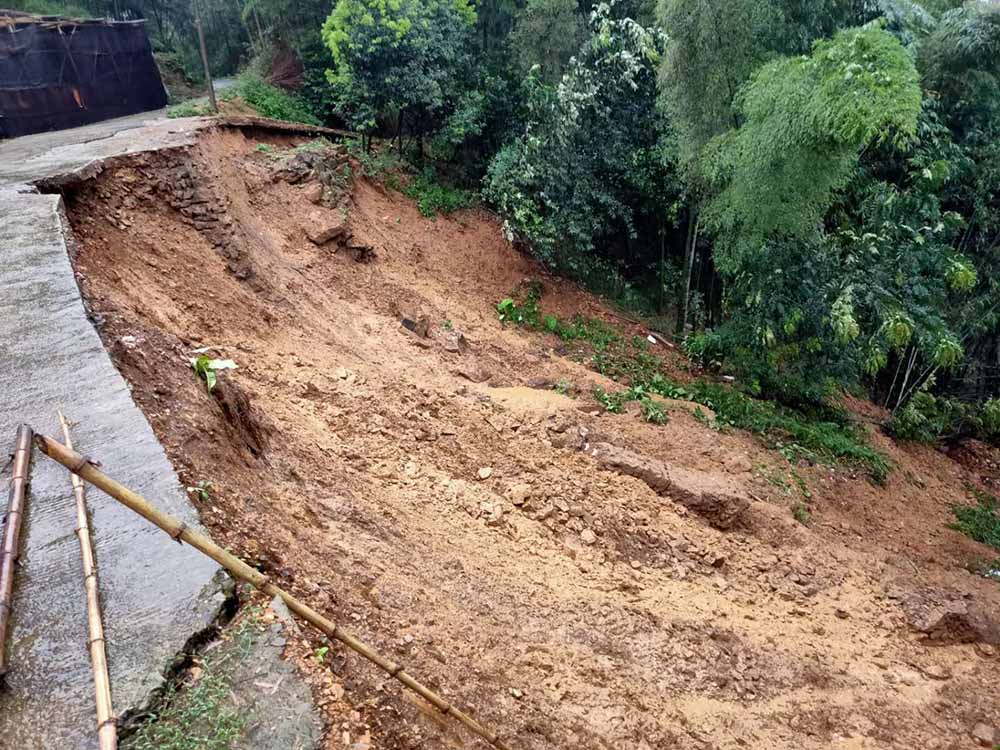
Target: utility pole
[(204, 57)]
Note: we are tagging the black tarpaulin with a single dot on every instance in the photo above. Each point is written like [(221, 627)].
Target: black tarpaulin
[(61, 73)]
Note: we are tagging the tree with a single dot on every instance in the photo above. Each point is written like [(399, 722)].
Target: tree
[(400, 60), (805, 122), (590, 166), (712, 50), (547, 34)]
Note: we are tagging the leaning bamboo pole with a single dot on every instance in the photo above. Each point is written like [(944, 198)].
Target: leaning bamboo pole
[(107, 732), (181, 532), (12, 534)]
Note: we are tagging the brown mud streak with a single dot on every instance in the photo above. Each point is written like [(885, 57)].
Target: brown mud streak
[(566, 603)]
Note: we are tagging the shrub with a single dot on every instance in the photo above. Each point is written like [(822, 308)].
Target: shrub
[(433, 198), (270, 101), (980, 521)]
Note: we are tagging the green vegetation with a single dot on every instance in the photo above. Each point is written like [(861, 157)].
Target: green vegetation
[(271, 101), (927, 418), (198, 713), (202, 489), (820, 434), (980, 521), (433, 198), (192, 108), (205, 368)]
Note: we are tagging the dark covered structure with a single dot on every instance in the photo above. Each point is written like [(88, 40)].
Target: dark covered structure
[(60, 73)]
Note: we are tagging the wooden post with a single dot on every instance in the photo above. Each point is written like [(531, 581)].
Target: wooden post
[(180, 532), (107, 732), (204, 57), (11, 542)]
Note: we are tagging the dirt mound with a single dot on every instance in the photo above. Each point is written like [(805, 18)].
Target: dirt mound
[(413, 487)]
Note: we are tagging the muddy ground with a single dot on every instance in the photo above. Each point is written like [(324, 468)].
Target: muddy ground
[(430, 493)]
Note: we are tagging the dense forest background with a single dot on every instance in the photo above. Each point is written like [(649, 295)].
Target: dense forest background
[(806, 192)]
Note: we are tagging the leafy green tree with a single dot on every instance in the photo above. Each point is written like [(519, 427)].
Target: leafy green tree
[(805, 122), (713, 48), (548, 33), (591, 164), (400, 60)]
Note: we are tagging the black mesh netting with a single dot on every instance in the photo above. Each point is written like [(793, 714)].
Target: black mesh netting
[(60, 74)]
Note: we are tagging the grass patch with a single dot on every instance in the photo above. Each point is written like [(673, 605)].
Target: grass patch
[(980, 521), (825, 435), (198, 714), (270, 101), (192, 108)]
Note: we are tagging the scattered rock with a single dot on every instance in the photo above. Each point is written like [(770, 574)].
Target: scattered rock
[(841, 614), (518, 494), (587, 536), (454, 341), (472, 371), (935, 672), (738, 464), (421, 326), (485, 473), (985, 735), (948, 617), (328, 228), (313, 192)]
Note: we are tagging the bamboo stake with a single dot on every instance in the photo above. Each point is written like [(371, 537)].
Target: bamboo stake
[(12, 535), (180, 532), (107, 733)]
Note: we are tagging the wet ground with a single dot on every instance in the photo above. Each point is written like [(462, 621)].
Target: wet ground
[(66, 154), (155, 593)]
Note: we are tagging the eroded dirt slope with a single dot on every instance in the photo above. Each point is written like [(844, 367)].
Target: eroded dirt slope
[(421, 491)]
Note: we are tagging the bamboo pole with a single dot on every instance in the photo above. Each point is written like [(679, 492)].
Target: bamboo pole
[(180, 532), (12, 534), (107, 732)]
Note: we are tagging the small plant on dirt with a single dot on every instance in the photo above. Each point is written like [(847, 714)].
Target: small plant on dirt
[(801, 513), (264, 148), (319, 145), (612, 402), (374, 163), (653, 412), (447, 324), (201, 490), (564, 387), (980, 521), (319, 655), (524, 312), (205, 368)]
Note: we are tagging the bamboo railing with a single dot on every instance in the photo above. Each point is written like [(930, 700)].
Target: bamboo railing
[(107, 732), (180, 532), (11, 542)]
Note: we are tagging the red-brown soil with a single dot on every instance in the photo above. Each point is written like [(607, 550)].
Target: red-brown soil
[(367, 501)]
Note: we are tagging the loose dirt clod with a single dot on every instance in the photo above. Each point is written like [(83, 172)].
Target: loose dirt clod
[(239, 414)]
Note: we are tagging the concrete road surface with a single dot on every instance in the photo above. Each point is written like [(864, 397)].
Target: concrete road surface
[(156, 594)]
